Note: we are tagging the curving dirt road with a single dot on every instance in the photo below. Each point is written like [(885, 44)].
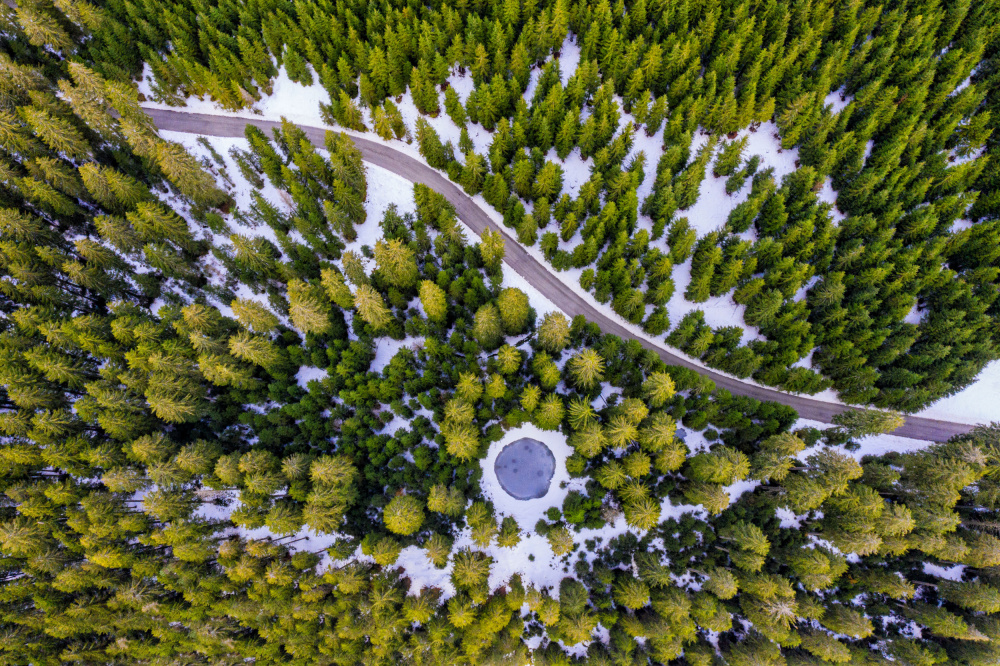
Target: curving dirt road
[(537, 274)]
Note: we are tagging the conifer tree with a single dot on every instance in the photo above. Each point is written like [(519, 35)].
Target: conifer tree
[(586, 368), (658, 388), (434, 301), (514, 310), (308, 308), (396, 263), (488, 326), (371, 308), (403, 515), (553, 333), (492, 249)]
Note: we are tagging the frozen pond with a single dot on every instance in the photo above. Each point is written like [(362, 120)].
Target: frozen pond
[(525, 468)]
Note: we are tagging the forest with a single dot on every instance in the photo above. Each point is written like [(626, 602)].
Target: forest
[(189, 390), (894, 306)]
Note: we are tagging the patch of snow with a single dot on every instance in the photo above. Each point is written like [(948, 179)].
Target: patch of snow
[(737, 489), (569, 58), (837, 100), (974, 404), (422, 573), (914, 316), (947, 573), (712, 209), (386, 348), (719, 311), (308, 373), (576, 170), (293, 100), (788, 518), (695, 441), (874, 445), (463, 85), (676, 511), (828, 195)]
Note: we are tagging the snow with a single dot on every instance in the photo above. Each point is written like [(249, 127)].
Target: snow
[(737, 489), (676, 511), (307, 374), (292, 100), (873, 445), (947, 573), (422, 572), (913, 316), (384, 189), (788, 518), (719, 311), (576, 171), (976, 403), (386, 349), (828, 195), (569, 59), (837, 100)]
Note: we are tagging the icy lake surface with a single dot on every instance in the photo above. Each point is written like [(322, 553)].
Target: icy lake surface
[(525, 468)]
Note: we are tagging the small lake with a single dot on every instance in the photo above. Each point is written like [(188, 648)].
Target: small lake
[(525, 468)]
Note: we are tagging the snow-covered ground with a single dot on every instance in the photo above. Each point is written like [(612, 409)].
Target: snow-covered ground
[(874, 445), (978, 403)]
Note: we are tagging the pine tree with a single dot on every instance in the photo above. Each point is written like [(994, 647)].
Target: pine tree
[(184, 172), (462, 441), (336, 288), (658, 434), (550, 412), (396, 263), (491, 248), (438, 549), (580, 414), (630, 593), (371, 308), (658, 388), (643, 513), (254, 349), (510, 533), (843, 620), (866, 422), (560, 540), (514, 310), (586, 368), (508, 360), (404, 514), (588, 441), (434, 301), (709, 495), (488, 327), (308, 309), (448, 501), (553, 333), (530, 396), (430, 145)]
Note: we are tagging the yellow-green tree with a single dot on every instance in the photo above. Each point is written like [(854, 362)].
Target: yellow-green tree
[(404, 514)]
